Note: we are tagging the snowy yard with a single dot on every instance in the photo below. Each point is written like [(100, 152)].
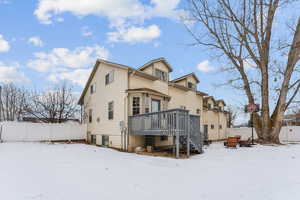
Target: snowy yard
[(77, 171)]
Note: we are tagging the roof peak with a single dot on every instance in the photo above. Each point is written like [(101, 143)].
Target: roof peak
[(154, 61), (184, 76)]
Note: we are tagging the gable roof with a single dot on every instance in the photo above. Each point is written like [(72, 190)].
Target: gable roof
[(201, 93), (94, 70), (155, 61), (221, 101), (148, 90), (185, 76), (206, 98), (130, 69)]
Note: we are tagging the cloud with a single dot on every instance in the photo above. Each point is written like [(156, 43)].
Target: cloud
[(60, 19), (126, 17), (115, 11), (12, 73), (36, 41), (60, 59), (78, 76), (205, 66), (86, 31), (4, 45), (135, 34)]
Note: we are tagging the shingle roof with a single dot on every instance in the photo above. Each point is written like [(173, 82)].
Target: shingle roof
[(183, 77), (156, 60)]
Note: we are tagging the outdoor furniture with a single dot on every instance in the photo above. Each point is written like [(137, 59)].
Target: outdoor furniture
[(245, 143), (231, 142)]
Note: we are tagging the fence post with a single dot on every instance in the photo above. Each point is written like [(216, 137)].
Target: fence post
[(188, 135), (177, 134), (1, 129)]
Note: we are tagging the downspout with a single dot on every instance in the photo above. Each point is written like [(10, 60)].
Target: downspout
[(127, 115), (218, 125)]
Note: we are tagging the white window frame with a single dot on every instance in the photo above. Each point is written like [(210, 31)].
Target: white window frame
[(111, 110), (161, 75), (111, 77), (93, 88), (90, 116), (136, 106)]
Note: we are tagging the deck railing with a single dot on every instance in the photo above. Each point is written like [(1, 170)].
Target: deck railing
[(168, 123), (175, 122)]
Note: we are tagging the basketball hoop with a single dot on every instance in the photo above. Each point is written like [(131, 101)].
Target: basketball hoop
[(251, 108)]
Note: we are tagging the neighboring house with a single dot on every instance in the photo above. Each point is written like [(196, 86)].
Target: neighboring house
[(46, 120), (114, 92), (292, 119), (215, 119)]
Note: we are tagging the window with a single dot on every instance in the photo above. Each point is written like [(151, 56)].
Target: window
[(191, 85), (105, 140), (161, 75), (93, 139), (146, 110), (111, 110), (109, 78), (93, 88), (163, 138), (198, 111), (212, 126), (220, 126), (136, 105), (90, 115), (182, 107), (209, 106)]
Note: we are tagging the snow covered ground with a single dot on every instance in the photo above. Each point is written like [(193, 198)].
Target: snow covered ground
[(77, 172)]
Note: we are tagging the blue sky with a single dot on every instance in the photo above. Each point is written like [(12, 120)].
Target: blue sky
[(48, 41)]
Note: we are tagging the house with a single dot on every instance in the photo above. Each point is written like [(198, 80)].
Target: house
[(215, 119), (47, 120), (292, 119), (127, 108)]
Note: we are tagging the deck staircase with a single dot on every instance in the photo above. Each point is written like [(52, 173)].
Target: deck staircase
[(195, 137)]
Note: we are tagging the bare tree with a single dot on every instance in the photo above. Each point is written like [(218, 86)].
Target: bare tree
[(53, 106), (232, 115), (12, 102), (241, 32)]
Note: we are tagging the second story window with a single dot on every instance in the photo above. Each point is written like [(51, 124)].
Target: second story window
[(93, 88), (161, 75), (209, 106), (109, 78), (136, 105), (198, 111), (90, 115), (212, 126), (191, 85), (111, 110)]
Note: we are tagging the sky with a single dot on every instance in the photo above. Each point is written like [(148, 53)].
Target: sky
[(45, 42)]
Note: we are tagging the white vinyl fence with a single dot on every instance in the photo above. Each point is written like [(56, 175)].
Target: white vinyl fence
[(34, 132), (287, 134)]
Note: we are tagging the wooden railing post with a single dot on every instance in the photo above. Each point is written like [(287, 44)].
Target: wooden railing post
[(177, 134), (188, 135)]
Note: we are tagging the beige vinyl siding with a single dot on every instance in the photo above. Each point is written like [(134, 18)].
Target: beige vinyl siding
[(149, 70), (182, 82), (140, 82), (216, 118), (116, 92), (189, 99), (99, 100)]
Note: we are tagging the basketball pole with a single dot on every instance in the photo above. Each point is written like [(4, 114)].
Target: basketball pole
[(252, 131)]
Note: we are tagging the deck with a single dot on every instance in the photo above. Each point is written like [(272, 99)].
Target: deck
[(175, 122)]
